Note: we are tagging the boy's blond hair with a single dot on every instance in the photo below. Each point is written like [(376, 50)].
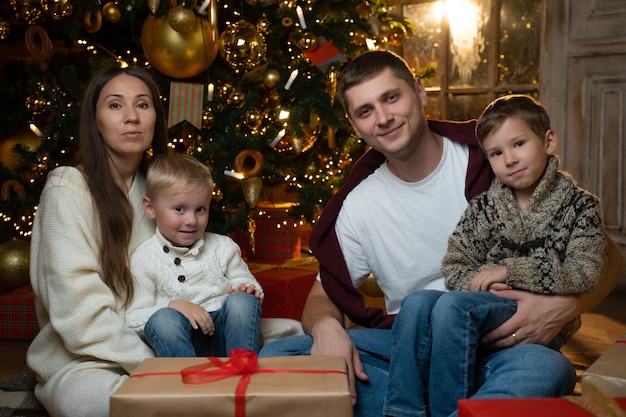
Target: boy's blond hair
[(179, 170)]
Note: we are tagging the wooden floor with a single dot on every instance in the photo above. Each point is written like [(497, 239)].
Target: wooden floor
[(601, 327)]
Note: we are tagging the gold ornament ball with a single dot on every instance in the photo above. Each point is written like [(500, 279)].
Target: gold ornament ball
[(24, 137), (242, 46), (180, 55), (14, 261), (271, 78), (396, 36), (111, 12), (181, 19), (308, 42)]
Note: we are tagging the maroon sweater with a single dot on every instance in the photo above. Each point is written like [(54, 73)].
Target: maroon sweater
[(325, 245)]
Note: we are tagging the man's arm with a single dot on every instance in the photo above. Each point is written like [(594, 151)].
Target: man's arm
[(324, 322), (539, 318)]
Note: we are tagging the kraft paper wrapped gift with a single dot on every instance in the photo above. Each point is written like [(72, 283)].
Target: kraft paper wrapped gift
[(303, 386), (608, 372), (529, 407)]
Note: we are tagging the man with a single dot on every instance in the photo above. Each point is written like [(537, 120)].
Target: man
[(392, 218)]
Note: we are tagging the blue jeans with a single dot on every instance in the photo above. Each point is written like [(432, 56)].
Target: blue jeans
[(519, 372), (237, 325), (436, 353), (374, 350)]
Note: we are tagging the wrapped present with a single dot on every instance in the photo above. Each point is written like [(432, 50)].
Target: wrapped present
[(286, 291), (18, 320), (608, 373), (239, 386), (276, 236), (525, 407)]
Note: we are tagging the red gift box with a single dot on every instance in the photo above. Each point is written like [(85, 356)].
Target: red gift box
[(18, 320), (277, 237), (286, 291), (524, 407)]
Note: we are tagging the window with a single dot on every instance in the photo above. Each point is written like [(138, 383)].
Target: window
[(479, 49)]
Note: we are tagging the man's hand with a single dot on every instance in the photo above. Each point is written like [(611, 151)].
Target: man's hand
[(330, 338), (538, 319), (197, 316)]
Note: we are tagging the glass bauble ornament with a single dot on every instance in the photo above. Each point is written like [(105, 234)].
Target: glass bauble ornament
[(308, 42), (14, 262), (242, 46), (111, 12), (181, 55), (181, 19), (271, 78)]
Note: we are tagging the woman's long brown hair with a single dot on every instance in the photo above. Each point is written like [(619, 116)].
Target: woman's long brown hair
[(113, 209)]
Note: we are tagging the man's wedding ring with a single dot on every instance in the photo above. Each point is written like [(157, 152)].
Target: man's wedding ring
[(514, 336)]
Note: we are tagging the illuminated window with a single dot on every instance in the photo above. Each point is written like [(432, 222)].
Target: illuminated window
[(480, 50)]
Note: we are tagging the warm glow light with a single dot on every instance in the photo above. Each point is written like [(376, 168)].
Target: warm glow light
[(465, 23), (233, 174)]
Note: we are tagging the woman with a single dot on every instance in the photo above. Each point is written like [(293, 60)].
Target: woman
[(88, 222)]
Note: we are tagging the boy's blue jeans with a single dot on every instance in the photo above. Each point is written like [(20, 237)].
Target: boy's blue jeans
[(439, 332), (237, 325), (519, 372)]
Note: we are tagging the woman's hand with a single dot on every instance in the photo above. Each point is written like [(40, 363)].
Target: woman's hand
[(197, 316)]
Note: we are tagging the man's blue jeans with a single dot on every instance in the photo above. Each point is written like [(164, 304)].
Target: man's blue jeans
[(237, 325), (519, 372)]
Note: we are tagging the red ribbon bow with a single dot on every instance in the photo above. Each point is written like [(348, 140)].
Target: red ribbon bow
[(241, 362)]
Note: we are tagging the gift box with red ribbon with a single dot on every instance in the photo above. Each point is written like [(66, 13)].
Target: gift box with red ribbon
[(239, 386)]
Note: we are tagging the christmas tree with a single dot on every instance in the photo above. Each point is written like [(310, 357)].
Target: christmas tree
[(251, 89)]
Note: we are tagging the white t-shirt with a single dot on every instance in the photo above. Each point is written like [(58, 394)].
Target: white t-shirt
[(399, 230)]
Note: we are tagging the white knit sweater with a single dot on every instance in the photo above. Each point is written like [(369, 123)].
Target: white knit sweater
[(79, 317), (202, 274)]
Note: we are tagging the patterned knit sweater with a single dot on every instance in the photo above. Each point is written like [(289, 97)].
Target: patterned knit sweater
[(556, 245)]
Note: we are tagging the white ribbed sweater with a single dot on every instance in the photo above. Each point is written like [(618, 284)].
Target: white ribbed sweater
[(79, 317)]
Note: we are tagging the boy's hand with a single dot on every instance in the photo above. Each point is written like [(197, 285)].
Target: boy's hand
[(248, 288), (493, 278), (197, 316)]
